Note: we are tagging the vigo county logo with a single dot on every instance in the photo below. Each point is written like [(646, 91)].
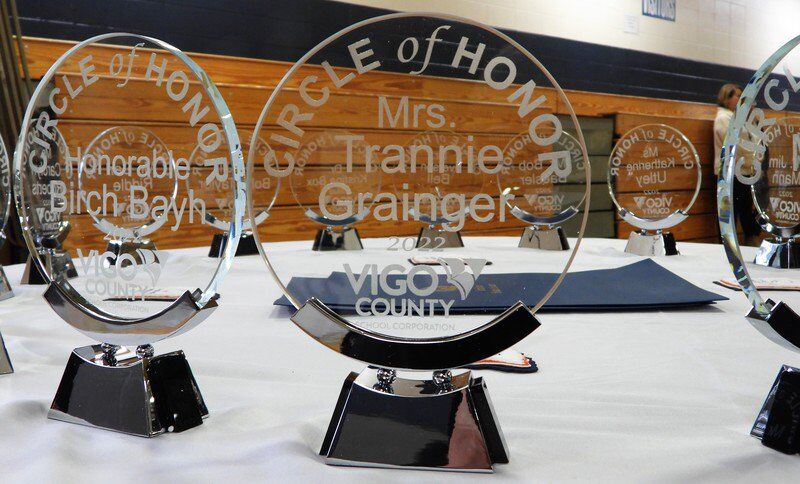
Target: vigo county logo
[(395, 291), (130, 275), (654, 205)]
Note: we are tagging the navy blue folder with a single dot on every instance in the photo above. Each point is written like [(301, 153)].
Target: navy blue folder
[(643, 285)]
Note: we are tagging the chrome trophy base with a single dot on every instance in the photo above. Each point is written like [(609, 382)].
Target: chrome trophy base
[(446, 423), (329, 239), (5, 362), (778, 421), (651, 245), (544, 239), (433, 238), (57, 260), (5, 287), (118, 248), (781, 255), (133, 392), (247, 245)]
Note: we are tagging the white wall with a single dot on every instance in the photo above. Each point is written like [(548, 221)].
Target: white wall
[(740, 33)]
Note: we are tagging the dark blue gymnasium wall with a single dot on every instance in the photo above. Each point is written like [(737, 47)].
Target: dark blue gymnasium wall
[(286, 29)]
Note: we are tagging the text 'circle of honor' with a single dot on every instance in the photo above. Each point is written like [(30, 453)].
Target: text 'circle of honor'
[(5, 189), (103, 174), (398, 123), (654, 176)]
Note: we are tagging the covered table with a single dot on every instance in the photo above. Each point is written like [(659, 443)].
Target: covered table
[(659, 396)]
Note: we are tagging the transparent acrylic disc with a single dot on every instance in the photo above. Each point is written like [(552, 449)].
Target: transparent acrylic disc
[(396, 126), (103, 175)]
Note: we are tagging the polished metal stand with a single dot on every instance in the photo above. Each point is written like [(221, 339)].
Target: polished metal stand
[(781, 254), (778, 421), (247, 245), (133, 249), (58, 261), (5, 362), (133, 392), (446, 423), (544, 238), (5, 287), (651, 245), (330, 239), (432, 238)]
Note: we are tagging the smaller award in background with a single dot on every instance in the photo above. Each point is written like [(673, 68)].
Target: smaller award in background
[(327, 165), (760, 150), (5, 208), (444, 177), (548, 187), (775, 187), (654, 178), (102, 172), (51, 152), (219, 214)]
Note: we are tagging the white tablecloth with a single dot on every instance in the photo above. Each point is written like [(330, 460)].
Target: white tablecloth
[(662, 396)]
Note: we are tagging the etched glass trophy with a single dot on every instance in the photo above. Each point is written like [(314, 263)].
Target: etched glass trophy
[(104, 150), (220, 212), (654, 178), (50, 152), (548, 186), (775, 186), (391, 92), (760, 150), (5, 207)]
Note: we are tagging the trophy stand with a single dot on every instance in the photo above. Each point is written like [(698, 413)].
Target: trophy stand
[(778, 421), (779, 253), (57, 261), (643, 243), (544, 238), (432, 238), (131, 248), (247, 245), (330, 239), (5, 362), (5, 287), (130, 391), (447, 422)]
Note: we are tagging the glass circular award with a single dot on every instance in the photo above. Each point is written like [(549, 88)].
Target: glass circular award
[(548, 184), (220, 212), (761, 152), (5, 208), (103, 177), (400, 122), (654, 178)]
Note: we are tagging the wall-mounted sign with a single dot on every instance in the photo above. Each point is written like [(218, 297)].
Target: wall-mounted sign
[(663, 9)]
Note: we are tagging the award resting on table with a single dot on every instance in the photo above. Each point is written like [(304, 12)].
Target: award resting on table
[(5, 208), (653, 178), (761, 150), (123, 183), (548, 184), (413, 406)]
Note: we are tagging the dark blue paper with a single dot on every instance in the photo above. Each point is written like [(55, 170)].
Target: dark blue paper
[(643, 285)]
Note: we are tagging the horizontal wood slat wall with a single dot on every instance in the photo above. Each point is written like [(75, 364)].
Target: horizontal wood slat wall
[(247, 83)]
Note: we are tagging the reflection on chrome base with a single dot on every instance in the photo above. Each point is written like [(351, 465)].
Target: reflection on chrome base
[(133, 249), (58, 262), (781, 255), (432, 238), (778, 422), (5, 287), (446, 423), (133, 392), (5, 361), (544, 238), (331, 239), (247, 245), (651, 245)]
